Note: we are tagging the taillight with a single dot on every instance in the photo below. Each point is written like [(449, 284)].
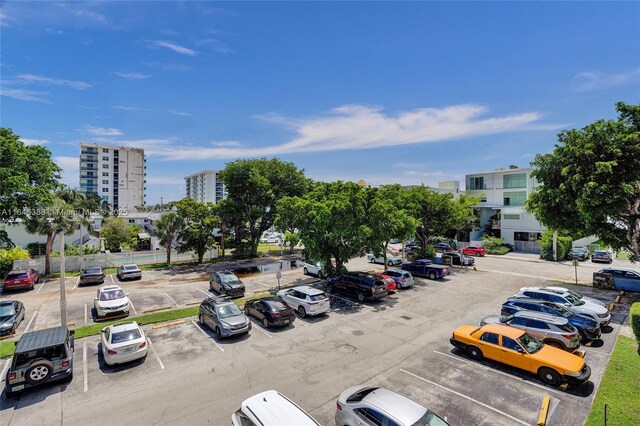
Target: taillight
[(338, 406), (65, 363), (568, 336), (313, 303), (12, 376), (111, 352), (143, 345)]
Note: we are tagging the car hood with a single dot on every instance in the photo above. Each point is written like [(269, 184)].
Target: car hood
[(561, 359), (583, 321), (233, 284), (235, 320), (592, 300), (112, 303), (7, 320), (592, 307), (491, 319)]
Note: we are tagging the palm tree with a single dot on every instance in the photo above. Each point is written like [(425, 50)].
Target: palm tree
[(167, 228)]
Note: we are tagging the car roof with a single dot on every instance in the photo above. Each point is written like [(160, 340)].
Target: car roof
[(526, 300), (504, 330), (615, 268), (124, 326), (273, 408), (541, 316), (401, 407), (541, 290), (556, 289), (109, 288), (18, 271), (33, 340), (7, 302), (308, 290)]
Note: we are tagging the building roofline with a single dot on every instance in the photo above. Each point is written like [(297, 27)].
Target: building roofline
[(102, 145), (201, 172), (507, 170)]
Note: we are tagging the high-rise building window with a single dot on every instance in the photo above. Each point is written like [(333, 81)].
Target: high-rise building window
[(105, 189), (518, 180), (476, 183), (105, 150), (105, 174), (105, 158), (105, 166), (105, 181)]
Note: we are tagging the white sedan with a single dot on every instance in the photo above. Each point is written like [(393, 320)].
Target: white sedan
[(122, 343), (111, 299), (391, 260)]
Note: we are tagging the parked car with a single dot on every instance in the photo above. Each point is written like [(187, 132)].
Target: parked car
[(271, 408), (129, 272), (93, 275), (602, 256), (223, 316), (361, 285), (306, 300), (519, 349), (391, 260), (563, 290), (226, 283), (110, 300), (623, 278), (455, 258), (361, 405), (551, 329), (394, 251), (474, 251), (593, 310), (395, 241), (314, 268), (19, 279), (272, 311), (442, 247), (391, 283), (11, 315), (425, 268), (40, 357), (580, 253), (403, 279), (588, 328), (271, 239), (122, 343)]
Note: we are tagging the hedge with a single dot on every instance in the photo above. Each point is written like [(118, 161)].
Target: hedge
[(635, 320)]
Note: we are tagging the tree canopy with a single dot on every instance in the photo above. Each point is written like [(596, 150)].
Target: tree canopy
[(168, 227), (590, 183), (117, 233), (197, 233)]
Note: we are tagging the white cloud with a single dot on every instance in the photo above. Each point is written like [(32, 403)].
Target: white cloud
[(70, 170), (421, 173), (6, 20), (174, 46), (34, 141), (179, 113), (587, 81), (78, 85), (128, 108), (24, 94), (216, 45), (227, 144), (103, 131), (91, 15), (132, 75)]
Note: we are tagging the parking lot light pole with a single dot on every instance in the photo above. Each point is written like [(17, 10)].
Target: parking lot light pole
[(63, 295)]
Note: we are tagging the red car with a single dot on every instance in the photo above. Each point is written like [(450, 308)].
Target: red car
[(26, 278), (474, 251), (391, 283)]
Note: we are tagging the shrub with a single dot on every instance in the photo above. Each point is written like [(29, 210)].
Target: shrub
[(494, 245), (424, 253), (563, 245), (8, 256), (635, 320)]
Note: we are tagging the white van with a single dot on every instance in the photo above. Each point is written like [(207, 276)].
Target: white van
[(271, 408)]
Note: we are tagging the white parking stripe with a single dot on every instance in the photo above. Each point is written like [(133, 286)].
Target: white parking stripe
[(155, 354), (205, 333), (112, 281), (85, 314), (84, 366), (257, 327), (6, 367), (263, 284), (202, 291), (133, 307), (465, 397), (41, 285), (30, 321), (76, 284), (170, 298), (299, 321), (147, 274)]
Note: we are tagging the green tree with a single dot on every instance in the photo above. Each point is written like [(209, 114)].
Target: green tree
[(590, 183), (433, 211), (254, 188), (167, 227), (118, 234), (463, 216), (8, 256), (286, 219), (201, 221), (28, 177), (5, 241)]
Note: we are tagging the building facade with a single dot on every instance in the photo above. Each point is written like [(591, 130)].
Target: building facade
[(116, 174), (205, 186), (502, 195)]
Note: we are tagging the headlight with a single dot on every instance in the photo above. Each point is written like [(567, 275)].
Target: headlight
[(5, 325), (572, 373)]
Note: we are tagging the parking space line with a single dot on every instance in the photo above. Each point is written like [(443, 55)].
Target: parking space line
[(84, 366), (597, 352), (205, 333), (5, 368), (302, 322), (147, 274), (85, 314), (256, 326), (263, 284), (465, 397), (133, 307), (202, 291), (155, 354), (112, 281), (41, 285), (30, 321), (170, 298), (76, 284)]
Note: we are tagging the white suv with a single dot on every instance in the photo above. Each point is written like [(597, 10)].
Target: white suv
[(576, 305), (306, 300), (271, 408), (111, 299)]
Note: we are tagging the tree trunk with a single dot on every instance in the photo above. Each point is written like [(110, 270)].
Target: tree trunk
[(384, 253), (169, 241), (200, 257), (47, 253)]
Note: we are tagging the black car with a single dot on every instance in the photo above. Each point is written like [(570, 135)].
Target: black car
[(455, 258), (270, 310), (588, 327), (11, 315), (361, 285), (442, 247), (579, 253), (93, 275), (226, 283), (40, 357)]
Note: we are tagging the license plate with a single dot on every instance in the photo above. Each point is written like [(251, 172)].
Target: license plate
[(18, 388), (286, 321)]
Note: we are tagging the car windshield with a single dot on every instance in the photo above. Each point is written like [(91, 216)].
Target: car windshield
[(574, 294), (17, 276), (125, 336), (93, 271), (227, 311), (6, 310), (276, 306), (506, 318), (575, 301), (111, 295), (430, 419), (530, 343), (130, 268), (562, 311), (315, 297), (228, 278)]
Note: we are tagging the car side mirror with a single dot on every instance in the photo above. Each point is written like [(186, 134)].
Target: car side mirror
[(520, 350), (95, 298), (126, 294)]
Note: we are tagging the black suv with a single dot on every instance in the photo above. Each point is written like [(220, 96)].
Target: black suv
[(359, 284), (40, 357)]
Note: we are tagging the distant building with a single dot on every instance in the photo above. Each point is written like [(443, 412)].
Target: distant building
[(449, 187), (116, 174), (505, 191), (205, 186)]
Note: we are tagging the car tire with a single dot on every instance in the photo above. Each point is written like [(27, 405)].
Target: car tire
[(201, 319), (474, 353), (39, 372), (218, 333), (432, 276), (549, 376), (361, 297), (265, 323), (305, 271), (555, 344), (389, 263), (583, 336), (372, 260), (302, 312), (69, 378)]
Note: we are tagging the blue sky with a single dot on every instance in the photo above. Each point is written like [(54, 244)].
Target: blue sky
[(386, 92)]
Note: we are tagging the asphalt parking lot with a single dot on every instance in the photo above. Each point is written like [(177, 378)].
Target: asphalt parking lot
[(401, 343)]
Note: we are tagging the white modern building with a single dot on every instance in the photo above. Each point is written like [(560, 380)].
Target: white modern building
[(116, 174), (205, 186), (505, 191)]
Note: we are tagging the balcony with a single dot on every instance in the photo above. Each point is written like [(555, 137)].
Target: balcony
[(88, 176), (89, 151), (91, 169), (88, 158), (88, 185)]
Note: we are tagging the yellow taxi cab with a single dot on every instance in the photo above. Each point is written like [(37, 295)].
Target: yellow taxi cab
[(519, 349)]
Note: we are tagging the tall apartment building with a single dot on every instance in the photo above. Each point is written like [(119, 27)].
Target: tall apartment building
[(116, 174), (505, 191), (205, 186)]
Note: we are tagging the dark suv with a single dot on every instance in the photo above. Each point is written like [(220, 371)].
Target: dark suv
[(361, 285), (226, 283), (40, 357)]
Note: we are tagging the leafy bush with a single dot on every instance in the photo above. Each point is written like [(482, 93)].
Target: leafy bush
[(424, 253), (8, 256), (635, 320), (494, 245), (563, 246), (499, 250)]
